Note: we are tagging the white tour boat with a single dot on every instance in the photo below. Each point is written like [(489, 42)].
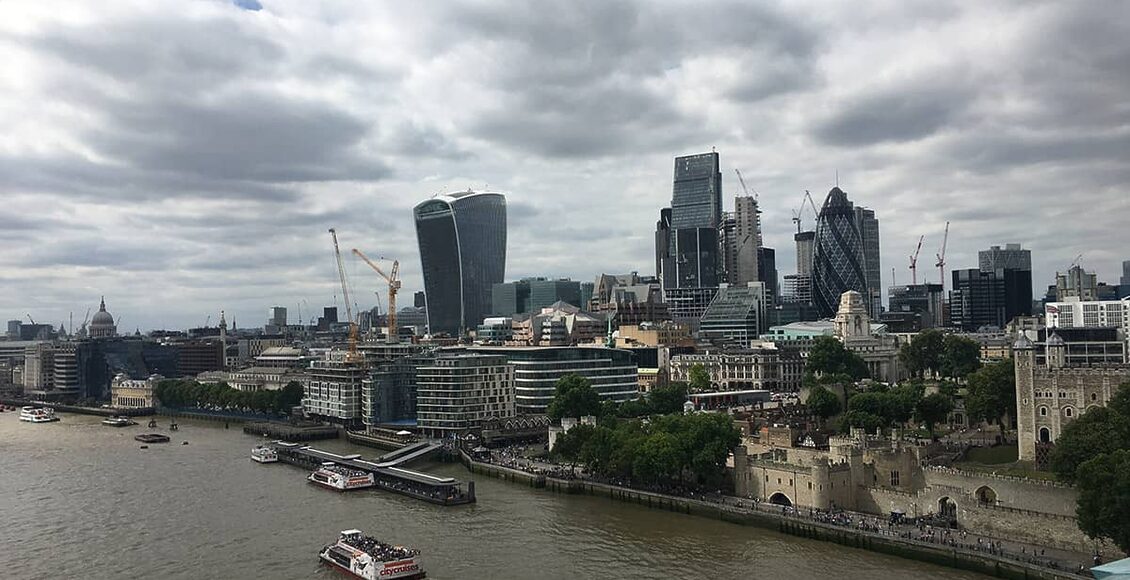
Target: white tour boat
[(341, 478), (371, 559), (38, 414), (264, 454), (120, 421)]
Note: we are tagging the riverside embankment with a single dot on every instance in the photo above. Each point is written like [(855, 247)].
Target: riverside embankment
[(891, 541)]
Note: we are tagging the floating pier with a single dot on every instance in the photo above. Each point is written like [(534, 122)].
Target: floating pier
[(387, 472)]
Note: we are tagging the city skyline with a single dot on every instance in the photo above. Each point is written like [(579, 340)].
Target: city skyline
[(201, 177)]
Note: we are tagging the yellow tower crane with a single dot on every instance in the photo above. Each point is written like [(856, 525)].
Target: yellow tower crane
[(393, 280), (352, 354)]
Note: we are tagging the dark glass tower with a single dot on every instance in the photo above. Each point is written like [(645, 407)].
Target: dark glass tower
[(696, 199), (462, 238), (837, 258)]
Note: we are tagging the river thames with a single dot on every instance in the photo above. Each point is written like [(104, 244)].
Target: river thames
[(82, 500)]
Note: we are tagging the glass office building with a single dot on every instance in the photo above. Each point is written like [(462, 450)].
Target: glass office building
[(837, 260), (462, 238)]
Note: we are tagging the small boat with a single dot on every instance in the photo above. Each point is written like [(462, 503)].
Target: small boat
[(152, 423), (119, 421), (264, 454), (341, 478), (184, 442), (38, 414), (144, 447), (174, 426), (152, 438), (371, 559)]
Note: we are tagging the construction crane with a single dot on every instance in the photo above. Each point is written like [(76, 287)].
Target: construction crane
[(352, 354), (941, 263), (1076, 261), (744, 188), (798, 213), (30, 318), (914, 262), (393, 280)]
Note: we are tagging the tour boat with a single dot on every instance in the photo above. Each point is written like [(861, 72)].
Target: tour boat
[(118, 421), (264, 454), (38, 414), (341, 478), (371, 559)]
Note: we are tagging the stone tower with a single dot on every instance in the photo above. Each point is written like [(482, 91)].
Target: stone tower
[(851, 319), (1024, 362)]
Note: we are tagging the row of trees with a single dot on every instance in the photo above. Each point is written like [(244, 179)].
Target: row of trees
[(880, 407), (180, 394), (948, 355), (668, 449), (575, 397), (1093, 452)]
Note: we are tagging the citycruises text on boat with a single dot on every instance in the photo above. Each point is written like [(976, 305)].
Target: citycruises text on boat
[(38, 414), (371, 559), (341, 478)]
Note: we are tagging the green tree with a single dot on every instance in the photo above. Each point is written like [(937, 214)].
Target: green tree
[(1103, 507), (573, 397), (991, 392), (668, 399), (960, 356), (923, 352), (1098, 431), (933, 409), (862, 420), (829, 358), (699, 378), (823, 403), (290, 396)]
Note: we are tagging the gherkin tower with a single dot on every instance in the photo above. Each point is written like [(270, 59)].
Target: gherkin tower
[(837, 259)]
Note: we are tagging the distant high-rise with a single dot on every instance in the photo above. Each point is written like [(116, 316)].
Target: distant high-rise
[(1013, 265), (688, 254), (837, 258), (767, 272), (1011, 257), (868, 226), (746, 242), (696, 200), (977, 300), (805, 243), (277, 317), (462, 238), (418, 299), (1124, 280)]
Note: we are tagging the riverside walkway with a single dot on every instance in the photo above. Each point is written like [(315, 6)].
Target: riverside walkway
[(1035, 561)]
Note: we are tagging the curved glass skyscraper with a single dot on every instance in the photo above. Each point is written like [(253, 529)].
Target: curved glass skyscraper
[(837, 258), (462, 238)]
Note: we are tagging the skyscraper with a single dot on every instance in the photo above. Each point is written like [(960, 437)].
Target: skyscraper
[(837, 258), (746, 242), (687, 250), (868, 226), (462, 238), (1013, 265), (696, 199), (767, 272)]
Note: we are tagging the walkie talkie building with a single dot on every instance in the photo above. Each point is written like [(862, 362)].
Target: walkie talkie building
[(837, 258), (462, 238)]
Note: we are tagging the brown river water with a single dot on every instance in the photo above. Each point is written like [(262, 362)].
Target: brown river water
[(82, 500)]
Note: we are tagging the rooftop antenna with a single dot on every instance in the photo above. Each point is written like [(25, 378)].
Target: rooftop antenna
[(837, 178)]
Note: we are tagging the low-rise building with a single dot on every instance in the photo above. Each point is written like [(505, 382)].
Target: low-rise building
[(333, 391), (732, 370), (454, 394), (612, 372), (126, 393)]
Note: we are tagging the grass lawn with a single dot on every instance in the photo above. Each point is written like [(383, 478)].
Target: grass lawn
[(992, 455)]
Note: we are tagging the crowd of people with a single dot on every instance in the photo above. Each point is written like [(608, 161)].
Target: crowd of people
[(379, 550)]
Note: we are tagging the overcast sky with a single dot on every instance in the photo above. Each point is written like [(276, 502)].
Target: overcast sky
[(187, 157)]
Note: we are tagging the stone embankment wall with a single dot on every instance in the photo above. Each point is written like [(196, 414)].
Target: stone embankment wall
[(877, 542)]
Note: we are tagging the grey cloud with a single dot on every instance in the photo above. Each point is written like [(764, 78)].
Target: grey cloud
[(904, 114)]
